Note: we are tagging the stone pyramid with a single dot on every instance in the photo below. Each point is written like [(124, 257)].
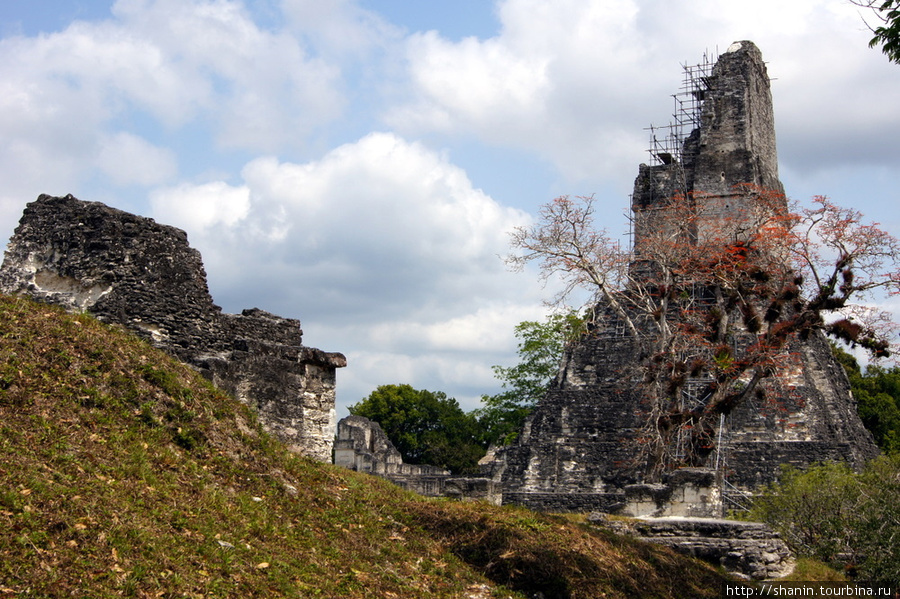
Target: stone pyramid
[(577, 451)]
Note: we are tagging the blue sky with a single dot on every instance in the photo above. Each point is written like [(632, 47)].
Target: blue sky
[(357, 164)]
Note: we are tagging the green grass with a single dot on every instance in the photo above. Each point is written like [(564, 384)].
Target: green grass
[(125, 474), (810, 569)]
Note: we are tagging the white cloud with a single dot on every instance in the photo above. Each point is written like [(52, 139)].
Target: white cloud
[(553, 80), (200, 207), (48, 124), (500, 86), (400, 199), (262, 89), (99, 96), (576, 81), (128, 159), (385, 224), (381, 245), (339, 27), (117, 65), (487, 329)]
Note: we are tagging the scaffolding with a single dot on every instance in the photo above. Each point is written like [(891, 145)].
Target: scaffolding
[(694, 396), (733, 498), (667, 141)]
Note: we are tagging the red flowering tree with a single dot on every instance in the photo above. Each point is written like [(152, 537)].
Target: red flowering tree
[(714, 290)]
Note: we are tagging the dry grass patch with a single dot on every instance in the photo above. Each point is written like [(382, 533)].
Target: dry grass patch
[(125, 474)]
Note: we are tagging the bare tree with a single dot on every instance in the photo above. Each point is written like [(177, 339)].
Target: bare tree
[(714, 291)]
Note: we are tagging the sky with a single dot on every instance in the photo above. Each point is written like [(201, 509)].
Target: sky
[(358, 164)]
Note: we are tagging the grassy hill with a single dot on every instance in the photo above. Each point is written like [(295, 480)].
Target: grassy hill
[(124, 473)]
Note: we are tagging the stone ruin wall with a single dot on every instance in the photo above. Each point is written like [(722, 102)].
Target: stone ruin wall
[(734, 144), (749, 550), (362, 445), (132, 271), (578, 451)]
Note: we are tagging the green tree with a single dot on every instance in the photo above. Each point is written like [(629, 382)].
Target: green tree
[(878, 525), (877, 393), (887, 33), (540, 348), (426, 427), (831, 513), (812, 509)]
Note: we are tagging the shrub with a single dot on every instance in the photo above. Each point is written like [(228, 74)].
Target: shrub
[(830, 513)]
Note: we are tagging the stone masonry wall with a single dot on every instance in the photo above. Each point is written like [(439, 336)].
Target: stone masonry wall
[(579, 450), (735, 144), (750, 550), (130, 270), (363, 446)]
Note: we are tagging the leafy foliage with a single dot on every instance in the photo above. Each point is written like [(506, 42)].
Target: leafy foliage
[(540, 348), (877, 393), (829, 512), (426, 427), (811, 509), (887, 34)]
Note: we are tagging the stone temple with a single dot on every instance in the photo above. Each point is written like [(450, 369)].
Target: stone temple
[(129, 270), (577, 450)]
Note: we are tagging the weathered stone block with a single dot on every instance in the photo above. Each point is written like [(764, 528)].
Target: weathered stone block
[(362, 445), (130, 270), (749, 549)]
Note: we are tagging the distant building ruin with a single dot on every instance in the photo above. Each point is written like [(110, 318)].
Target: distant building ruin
[(132, 271), (363, 446)]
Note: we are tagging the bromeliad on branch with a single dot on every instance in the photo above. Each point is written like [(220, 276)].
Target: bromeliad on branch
[(715, 290)]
